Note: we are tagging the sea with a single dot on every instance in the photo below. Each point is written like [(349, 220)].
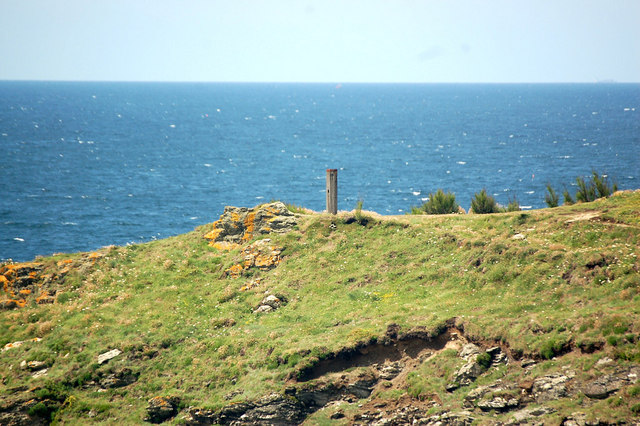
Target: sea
[(89, 164)]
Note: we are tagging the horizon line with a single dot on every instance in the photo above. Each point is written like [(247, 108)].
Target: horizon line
[(607, 81)]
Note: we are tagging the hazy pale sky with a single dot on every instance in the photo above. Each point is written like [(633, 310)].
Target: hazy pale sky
[(321, 41)]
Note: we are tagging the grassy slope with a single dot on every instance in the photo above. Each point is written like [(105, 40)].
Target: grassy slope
[(189, 331)]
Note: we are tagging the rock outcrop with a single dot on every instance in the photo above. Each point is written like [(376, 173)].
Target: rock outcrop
[(21, 282), (238, 225)]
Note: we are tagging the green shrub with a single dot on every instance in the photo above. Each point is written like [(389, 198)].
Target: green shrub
[(482, 203), (568, 200), (514, 205), (552, 347), (613, 340), (551, 199), (603, 188), (440, 203), (635, 408), (598, 187), (484, 359), (586, 191)]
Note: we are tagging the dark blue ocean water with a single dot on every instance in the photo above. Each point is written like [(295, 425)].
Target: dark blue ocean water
[(84, 165)]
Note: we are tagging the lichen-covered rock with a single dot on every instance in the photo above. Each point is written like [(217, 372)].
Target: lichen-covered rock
[(261, 254), (161, 409), (200, 417), (238, 225), (19, 343), (17, 282)]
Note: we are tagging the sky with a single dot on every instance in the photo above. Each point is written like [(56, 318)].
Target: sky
[(433, 41)]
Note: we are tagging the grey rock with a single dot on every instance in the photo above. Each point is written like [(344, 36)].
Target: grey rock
[(604, 386), (263, 309), (469, 351), (40, 373), (272, 301), (104, 357), (527, 363), (604, 362), (199, 417), (274, 409), (497, 403), (390, 371), (467, 374), (119, 379), (530, 413), (550, 387), (36, 365), (460, 418)]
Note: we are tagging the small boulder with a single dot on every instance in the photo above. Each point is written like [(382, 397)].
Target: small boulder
[(162, 408), (119, 379), (40, 373), (35, 365), (272, 301), (268, 304), (263, 309), (102, 358), (200, 416), (604, 386), (498, 403)]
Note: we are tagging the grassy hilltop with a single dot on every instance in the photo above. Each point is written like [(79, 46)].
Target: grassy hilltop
[(344, 319)]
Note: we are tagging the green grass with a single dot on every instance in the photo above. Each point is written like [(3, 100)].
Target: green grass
[(188, 330)]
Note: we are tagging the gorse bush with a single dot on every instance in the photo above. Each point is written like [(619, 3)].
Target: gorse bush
[(568, 199), (482, 203), (599, 187), (588, 190), (551, 199), (439, 203), (513, 206)]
